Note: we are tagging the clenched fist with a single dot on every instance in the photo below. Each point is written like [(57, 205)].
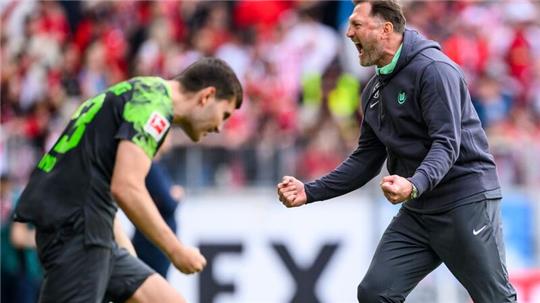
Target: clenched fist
[(291, 192), (396, 189), (188, 260)]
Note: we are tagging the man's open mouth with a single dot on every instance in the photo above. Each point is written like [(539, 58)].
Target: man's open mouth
[(359, 47)]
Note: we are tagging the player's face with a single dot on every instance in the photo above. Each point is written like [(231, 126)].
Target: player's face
[(365, 31), (209, 118)]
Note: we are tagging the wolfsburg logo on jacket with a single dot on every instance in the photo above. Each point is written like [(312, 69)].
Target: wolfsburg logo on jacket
[(402, 97)]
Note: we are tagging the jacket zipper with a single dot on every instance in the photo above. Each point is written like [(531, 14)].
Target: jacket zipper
[(380, 113), (381, 108), (378, 90)]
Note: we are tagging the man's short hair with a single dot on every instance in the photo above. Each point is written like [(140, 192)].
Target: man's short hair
[(214, 72), (389, 10)]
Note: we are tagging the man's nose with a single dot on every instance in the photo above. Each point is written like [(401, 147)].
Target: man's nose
[(349, 32)]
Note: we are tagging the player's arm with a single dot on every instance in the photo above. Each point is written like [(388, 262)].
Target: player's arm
[(121, 238), (129, 190), (361, 166)]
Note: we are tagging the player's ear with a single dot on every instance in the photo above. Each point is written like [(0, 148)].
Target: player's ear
[(206, 94)]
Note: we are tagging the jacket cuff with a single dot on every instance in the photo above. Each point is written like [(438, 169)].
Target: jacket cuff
[(309, 196), (420, 181)]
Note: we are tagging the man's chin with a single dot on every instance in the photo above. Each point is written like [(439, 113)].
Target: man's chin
[(194, 138), (364, 63)]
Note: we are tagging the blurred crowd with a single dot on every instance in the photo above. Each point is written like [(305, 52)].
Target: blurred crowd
[(300, 73)]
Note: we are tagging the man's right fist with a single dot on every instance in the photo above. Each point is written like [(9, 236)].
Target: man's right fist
[(188, 260), (291, 192)]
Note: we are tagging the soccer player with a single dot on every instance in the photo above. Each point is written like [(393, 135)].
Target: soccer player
[(103, 156), (418, 116)]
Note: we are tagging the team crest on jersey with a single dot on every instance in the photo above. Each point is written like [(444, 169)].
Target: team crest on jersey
[(157, 126)]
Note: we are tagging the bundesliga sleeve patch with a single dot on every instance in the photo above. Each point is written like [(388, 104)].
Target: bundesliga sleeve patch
[(157, 126)]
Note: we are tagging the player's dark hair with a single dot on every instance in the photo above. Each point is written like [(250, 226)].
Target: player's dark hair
[(389, 10), (214, 72)]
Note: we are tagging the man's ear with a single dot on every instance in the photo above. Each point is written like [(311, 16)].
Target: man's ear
[(206, 94), (388, 28)]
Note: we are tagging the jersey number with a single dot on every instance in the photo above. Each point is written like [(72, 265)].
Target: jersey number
[(72, 136)]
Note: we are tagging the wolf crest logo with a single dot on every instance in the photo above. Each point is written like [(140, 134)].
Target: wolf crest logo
[(402, 97)]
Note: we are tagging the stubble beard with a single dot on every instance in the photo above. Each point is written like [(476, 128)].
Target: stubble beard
[(370, 56), (365, 60)]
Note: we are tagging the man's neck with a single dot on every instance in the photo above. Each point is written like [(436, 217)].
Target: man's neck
[(390, 49), (178, 101)]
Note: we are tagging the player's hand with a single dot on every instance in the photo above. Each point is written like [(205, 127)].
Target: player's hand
[(291, 192), (188, 260), (396, 189)]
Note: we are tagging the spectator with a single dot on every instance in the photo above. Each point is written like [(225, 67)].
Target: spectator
[(21, 272)]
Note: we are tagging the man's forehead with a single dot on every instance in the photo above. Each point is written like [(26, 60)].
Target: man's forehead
[(361, 11)]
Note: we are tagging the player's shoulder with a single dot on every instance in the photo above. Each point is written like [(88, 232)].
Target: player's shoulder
[(148, 95), (143, 85), (150, 84)]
